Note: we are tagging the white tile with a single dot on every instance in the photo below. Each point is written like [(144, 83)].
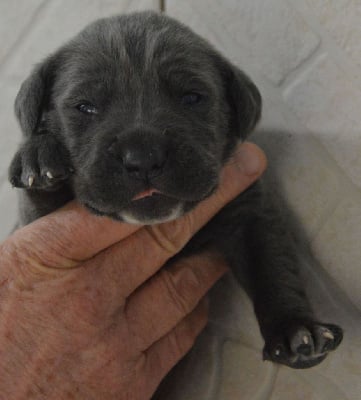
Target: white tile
[(295, 385), (59, 21), (338, 246), (308, 176), (15, 16), (8, 207), (9, 130), (341, 21), (283, 42), (328, 103), (244, 374)]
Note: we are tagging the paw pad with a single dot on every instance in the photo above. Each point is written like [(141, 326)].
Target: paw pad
[(302, 345)]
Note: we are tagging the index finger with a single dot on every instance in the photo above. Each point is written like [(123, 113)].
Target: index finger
[(67, 236)]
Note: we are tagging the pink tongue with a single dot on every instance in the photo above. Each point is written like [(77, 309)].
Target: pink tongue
[(144, 194)]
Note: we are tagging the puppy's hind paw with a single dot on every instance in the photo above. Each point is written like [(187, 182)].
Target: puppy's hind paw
[(302, 344), (41, 163)]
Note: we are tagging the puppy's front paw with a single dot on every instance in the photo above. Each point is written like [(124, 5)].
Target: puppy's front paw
[(41, 163), (302, 344)]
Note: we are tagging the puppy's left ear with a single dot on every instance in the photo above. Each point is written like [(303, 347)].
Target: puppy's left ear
[(244, 99)]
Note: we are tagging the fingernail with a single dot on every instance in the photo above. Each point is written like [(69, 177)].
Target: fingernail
[(248, 160)]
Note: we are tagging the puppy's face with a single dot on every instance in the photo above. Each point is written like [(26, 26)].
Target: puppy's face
[(148, 111)]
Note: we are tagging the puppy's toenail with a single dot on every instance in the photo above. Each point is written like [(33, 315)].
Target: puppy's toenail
[(328, 335), (49, 175), (305, 340), (30, 181)]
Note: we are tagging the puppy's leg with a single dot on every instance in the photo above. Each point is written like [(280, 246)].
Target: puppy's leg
[(257, 242), (293, 335), (42, 168)]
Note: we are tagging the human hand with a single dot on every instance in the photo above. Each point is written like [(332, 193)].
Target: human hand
[(85, 310)]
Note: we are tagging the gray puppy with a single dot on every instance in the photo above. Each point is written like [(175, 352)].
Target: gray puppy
[(135, 118)]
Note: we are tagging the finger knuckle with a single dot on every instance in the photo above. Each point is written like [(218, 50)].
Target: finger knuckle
[(172, 236), (180, 343), (179, 291)]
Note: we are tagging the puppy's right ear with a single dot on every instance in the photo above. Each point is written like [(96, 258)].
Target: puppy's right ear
[(243, 97), (34, 95), (245, 101)]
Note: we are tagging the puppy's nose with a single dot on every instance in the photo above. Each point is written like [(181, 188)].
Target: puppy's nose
[(144, 161)]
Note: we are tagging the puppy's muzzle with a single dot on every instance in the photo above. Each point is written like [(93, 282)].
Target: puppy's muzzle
[(142, 154)]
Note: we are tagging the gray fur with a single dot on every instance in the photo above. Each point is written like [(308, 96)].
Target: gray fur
[(146, 133)]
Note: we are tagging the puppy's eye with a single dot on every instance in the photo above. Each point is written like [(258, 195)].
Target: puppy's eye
[(87, 108), (191, 98)]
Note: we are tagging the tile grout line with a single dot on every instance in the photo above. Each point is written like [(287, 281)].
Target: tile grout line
[(331, 48), (302, 68)]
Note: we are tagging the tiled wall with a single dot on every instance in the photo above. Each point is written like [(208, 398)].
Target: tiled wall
[(305, 55)]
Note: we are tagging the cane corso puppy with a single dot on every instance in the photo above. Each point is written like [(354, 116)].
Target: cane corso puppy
[(134, 118)]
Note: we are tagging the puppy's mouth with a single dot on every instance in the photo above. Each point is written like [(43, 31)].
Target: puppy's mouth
[(146, 193), (149, 206)]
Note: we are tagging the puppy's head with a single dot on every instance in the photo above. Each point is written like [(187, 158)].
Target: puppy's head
[(148, 111)]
